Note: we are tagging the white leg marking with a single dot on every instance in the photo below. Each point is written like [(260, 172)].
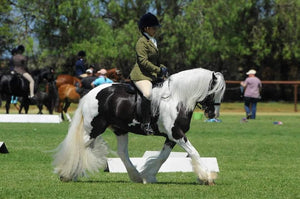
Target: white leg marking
[(134, 175), (68, 117), (202, 171), (153, 164)]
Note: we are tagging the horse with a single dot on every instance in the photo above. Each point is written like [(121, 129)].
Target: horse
[(67, 79), (116, 106), (48, 98), (13, 84), (67, 94), (115, 75), (70, 90)]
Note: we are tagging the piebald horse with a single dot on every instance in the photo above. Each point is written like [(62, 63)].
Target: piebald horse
[(113, 106)]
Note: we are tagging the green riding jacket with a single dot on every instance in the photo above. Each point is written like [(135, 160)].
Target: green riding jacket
[(147, 64)]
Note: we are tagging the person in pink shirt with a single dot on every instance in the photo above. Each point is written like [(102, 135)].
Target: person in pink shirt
[(252, 87)]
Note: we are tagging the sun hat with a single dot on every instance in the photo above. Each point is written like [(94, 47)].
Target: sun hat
[(251, 72), (102, 71)]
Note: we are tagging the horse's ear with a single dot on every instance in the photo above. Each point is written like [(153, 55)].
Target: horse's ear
[(214, 77)]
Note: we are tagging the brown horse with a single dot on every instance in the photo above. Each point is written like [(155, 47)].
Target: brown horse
[(67, 94), (67, 91), (67, 79), (115, 75)]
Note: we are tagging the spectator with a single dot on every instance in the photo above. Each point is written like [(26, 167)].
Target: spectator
[(102, 79), (90, 73), (147, 66), (80, 67), (252, 86)]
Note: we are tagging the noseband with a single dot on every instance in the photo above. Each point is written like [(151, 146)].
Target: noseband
[(204, 104)]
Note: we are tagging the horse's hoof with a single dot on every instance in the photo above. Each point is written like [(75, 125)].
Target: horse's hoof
[(63, 179), (149, 180), (209, 183)]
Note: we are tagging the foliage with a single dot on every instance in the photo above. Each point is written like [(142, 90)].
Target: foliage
[(6, 36), (253, 163), (228, 36)]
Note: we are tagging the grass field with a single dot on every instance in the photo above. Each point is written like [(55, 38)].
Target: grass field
[(257, 159)]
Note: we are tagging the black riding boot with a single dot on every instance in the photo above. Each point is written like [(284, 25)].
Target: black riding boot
[(146, 116)]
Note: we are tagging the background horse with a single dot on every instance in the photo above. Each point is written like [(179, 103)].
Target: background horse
[(111, 105), (66, 95), (13, 84), (49, 98), (67, 79), (115, 75), (68, 87)]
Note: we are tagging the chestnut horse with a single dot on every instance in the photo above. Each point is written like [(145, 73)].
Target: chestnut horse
[(67, 92), (67, 79), (66, 85), (66, 95), (115, 75)]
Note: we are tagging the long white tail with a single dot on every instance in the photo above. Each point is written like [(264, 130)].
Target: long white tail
[(78, 153)]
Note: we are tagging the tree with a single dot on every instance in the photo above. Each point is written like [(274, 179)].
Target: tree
[(6, 37)]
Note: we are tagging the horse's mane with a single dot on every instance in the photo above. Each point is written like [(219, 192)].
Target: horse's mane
[(189, 87)]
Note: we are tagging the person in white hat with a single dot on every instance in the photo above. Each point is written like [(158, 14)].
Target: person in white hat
[(86, 82), (252, 88)]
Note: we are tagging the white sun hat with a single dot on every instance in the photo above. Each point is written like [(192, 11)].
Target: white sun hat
[(251, 72)]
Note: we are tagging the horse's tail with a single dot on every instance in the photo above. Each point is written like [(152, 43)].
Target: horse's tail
[(78, 153)]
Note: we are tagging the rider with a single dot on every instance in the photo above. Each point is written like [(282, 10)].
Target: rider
[(20, 66), (147, 66), (80, 67), (14, 99)]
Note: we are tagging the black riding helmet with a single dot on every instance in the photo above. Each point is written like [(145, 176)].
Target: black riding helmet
[(148, 20), (81, 53)]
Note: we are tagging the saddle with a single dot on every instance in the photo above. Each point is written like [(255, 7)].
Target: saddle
[(21, 81), (139, 110)]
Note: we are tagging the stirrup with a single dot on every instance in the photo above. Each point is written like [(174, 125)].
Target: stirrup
[(147, 128), (32, 100)]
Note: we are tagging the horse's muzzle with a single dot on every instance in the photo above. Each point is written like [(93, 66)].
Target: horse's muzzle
[(210, 114)]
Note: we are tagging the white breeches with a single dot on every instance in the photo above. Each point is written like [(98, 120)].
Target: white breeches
[(31, 83), (145, 86)]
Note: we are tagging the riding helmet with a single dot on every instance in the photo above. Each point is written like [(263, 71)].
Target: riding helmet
[(148, 20), (81, 53), (21, 49)]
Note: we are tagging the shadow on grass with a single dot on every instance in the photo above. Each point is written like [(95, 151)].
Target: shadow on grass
[(129, 182)]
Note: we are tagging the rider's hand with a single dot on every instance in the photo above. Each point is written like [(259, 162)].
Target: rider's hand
[(164, 71)]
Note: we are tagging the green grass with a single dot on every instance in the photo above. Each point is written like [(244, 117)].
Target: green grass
[(256, 160)]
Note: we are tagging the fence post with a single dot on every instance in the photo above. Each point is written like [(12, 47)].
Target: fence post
[(295, 96)]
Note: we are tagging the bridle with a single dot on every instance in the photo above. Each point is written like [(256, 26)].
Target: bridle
[(204, 104)]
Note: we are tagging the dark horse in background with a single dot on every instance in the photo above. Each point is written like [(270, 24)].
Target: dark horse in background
[(48, 98), (13, 84), (117, 107)]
